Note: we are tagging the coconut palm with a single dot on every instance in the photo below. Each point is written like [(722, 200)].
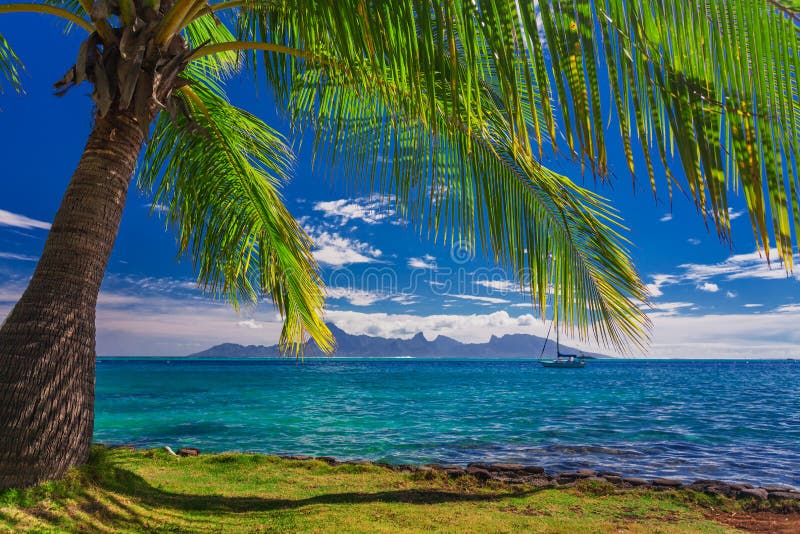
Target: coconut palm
[(445, 108)]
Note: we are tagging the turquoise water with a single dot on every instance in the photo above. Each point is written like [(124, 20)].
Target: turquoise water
[(729, 420)]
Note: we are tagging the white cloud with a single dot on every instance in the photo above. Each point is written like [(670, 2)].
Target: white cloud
[(336, 250), (666, 218), (668, 309), (753, 305), (730, 294), (736, 267), (744, 335), (20, 221), (252, 324), (659, 280), (732, 214), (487, 300), (404, 299), (368, 210), (506, 286), (356, 297), (421, 263), (20, 257), (476, 328), (708, 287), (693, 241)]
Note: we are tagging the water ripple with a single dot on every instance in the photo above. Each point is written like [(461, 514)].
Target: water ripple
[(724, 420)]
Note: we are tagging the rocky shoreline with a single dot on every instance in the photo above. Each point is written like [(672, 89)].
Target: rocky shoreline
[(536, 476)]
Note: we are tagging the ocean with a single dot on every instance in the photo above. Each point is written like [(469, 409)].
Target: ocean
[(737, 421)]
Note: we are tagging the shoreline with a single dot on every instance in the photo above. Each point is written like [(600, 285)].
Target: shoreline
[(123, 489), (532, 475)]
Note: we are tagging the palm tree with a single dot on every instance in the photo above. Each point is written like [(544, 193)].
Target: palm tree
[(446, 108)]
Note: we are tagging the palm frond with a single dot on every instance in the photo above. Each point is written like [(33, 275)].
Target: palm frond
[(706, 85), (11, 67), (472, 188), (217, 169), (205, 30), (716, 81)]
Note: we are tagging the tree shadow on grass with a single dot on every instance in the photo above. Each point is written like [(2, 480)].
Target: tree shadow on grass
[(131, 485)]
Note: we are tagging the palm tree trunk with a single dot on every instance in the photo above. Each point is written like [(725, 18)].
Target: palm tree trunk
[(47, 343)]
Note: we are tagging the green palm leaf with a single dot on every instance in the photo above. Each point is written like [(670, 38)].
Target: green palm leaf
[(10, 66), (477, 191), (217, 170)]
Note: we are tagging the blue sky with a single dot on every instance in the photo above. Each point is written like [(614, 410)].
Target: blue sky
[(711, 299)]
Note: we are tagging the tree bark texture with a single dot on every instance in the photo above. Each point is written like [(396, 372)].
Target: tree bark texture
[(47, 343)]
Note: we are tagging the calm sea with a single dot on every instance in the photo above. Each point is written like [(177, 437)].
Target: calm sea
[(731, 420)]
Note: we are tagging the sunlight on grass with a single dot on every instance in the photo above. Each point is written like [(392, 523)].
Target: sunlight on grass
[(134, 491)]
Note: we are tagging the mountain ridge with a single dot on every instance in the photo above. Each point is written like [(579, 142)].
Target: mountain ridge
[(366, 346)]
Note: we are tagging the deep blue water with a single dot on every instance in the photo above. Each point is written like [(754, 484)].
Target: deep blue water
[(730, 420)]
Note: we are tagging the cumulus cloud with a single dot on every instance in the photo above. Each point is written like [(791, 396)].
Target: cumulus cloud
[(659, 280), (367, 210), (422, 263), (475, 328), (334, 249), (666, 218), (20, 221), (708, 287)]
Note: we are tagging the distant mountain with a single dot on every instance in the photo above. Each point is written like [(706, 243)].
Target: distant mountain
[(363, 346)]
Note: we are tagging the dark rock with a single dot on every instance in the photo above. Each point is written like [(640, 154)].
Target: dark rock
[(534, 469), (595, 479), (487, 467), (609, 474), (301, 457), (479, 473), (330, 460), (753, 493), (580, 473), (704, 483), (436, 467), (506, 467), (784, 495), (613, 479), (667, 483), (408, 468), (633, 481), (739, 487), (454, 472), (714, 487), (778, 487), (188, 451)]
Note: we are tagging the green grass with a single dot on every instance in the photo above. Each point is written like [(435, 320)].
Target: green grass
[(136, 491)]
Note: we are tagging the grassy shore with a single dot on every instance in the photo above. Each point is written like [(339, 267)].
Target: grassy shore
[(137, 491)]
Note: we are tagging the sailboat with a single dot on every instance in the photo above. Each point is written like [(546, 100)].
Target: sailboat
[(562, 360)]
